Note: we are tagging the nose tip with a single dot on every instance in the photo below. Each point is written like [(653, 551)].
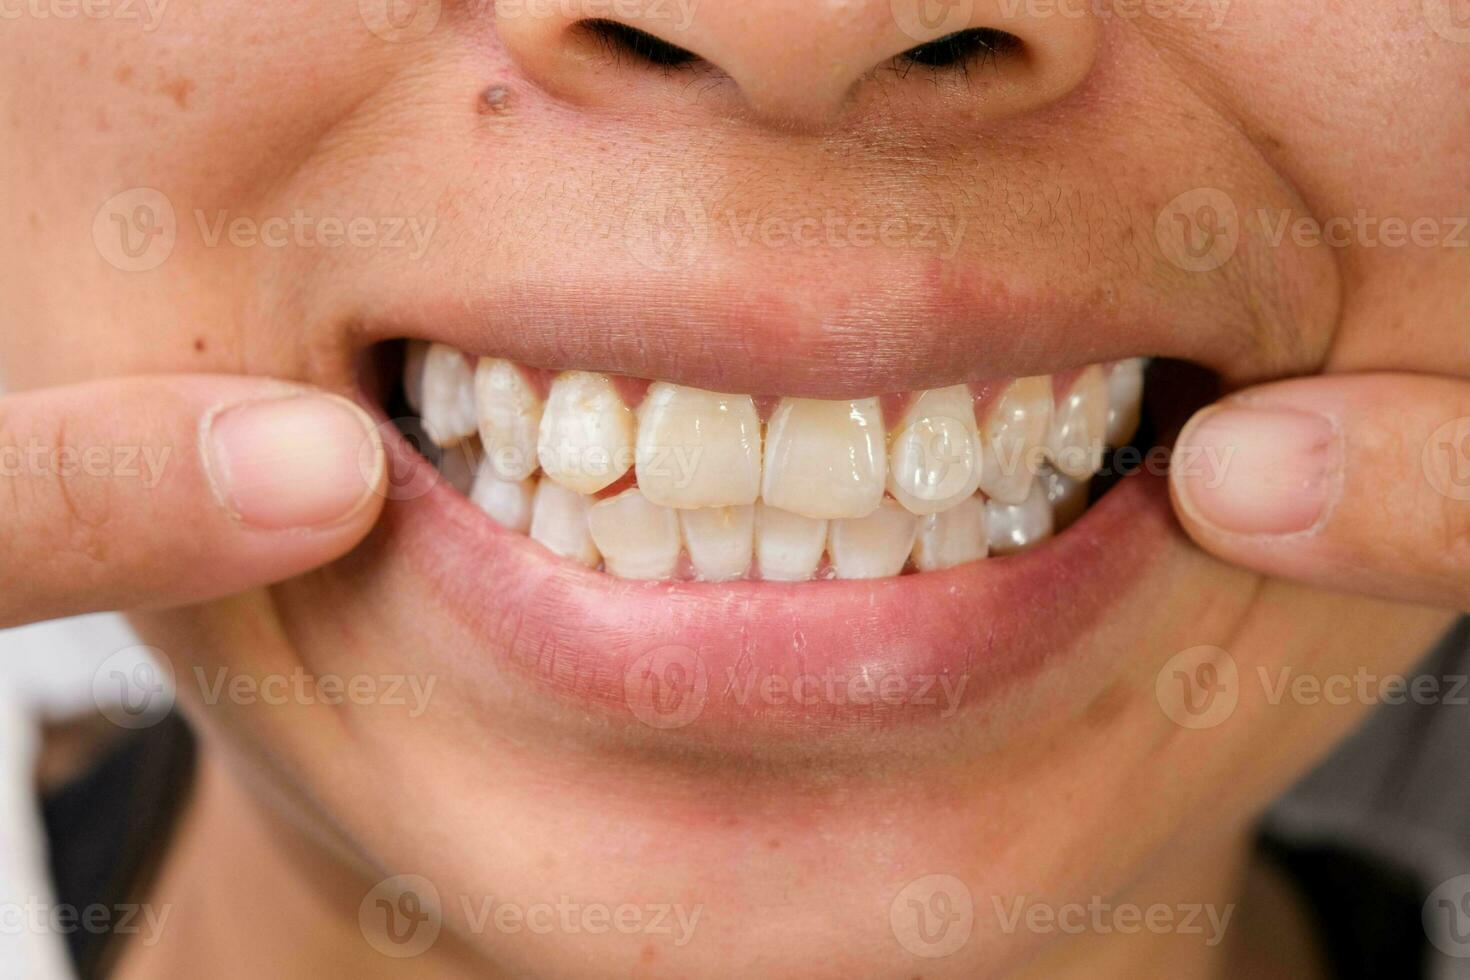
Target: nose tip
[(799, 64)]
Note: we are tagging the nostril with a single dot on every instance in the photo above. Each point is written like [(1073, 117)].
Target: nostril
[(961, 48), (624, 41)]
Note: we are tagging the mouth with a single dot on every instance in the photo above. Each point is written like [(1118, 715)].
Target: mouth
[(672, 555), (655, 481)]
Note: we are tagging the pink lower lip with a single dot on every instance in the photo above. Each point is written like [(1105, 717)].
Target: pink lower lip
[(771, 660)]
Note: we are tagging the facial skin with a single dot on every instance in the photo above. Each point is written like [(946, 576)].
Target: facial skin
[(1074, 784)]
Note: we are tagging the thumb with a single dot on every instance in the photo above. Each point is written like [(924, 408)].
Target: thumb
[(164, 491), (1353, 482)]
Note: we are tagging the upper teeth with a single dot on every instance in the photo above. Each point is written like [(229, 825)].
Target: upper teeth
[(816, 471)]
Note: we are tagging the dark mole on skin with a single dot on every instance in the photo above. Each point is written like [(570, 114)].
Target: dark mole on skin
[(199, 345), (495, 99)]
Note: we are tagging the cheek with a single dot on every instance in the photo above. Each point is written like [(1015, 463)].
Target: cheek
[(95, 109)]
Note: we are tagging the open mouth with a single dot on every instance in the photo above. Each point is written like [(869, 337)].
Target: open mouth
[(640, 547), (652, 480)]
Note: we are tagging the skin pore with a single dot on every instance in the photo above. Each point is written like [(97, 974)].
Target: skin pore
[(795, 852)]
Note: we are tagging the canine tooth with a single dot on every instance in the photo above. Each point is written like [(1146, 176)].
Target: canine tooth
[(954, 537), (1125, 401), (788, 547), (416, 352), (1015, 527), (509, 411), (448, 395), (1079, 424), (698, 448), (1068, 497), (825, 459), (637, 538), (559, 522), (1012, 437), (586, 437), (508, 502), (934, 455), (720, 541), (875, 546)]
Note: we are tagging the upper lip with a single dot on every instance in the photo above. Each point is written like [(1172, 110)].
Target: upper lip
[(854, 331)]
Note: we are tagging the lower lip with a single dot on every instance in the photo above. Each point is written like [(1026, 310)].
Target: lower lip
[(774, 660)]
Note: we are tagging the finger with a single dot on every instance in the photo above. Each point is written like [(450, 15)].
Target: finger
[(165, 491), (1359, 483)]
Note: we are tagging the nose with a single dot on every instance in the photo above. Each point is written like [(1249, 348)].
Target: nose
[(800, 63)]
